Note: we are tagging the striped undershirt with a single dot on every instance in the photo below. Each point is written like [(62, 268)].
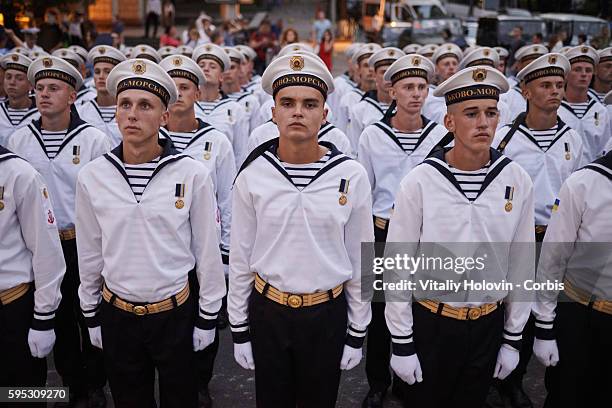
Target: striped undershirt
[(470, 182), (53, 141), (408, 140), (208, 107), (139, 176), (579, 108), (180, 140), (16, 115), (302, 174), (107, 112), (544, 137)]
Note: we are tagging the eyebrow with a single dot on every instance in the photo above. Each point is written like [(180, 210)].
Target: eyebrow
[(472, 108)]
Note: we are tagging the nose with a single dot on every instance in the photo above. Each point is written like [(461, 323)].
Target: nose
[(481, 121)]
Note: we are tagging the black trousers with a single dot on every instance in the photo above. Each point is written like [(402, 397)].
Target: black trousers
[(582, 377), (152, 18), (297, 352), (457, 358), (136, 346), (80, 364)]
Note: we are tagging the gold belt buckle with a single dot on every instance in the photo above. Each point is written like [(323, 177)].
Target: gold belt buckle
[(474, 313), (139, 310), (295, 301)]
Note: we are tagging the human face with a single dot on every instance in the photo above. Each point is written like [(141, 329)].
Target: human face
[(446, 67), (367, 75), (101, 71), (382, 85), (580, 75), (410, 94), (473, 124), (290, 37), (501, 67), (299, 112), (545, 93), (188, 94), (53, 96), (212, 71), (140, 114), (232, 76), (603, 72), (16, 84)]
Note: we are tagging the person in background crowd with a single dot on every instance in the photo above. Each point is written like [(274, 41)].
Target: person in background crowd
[(51, 35), (326, 48), (154, 10), (75, 33), (169, 37), (555, 43), (319, 26), (289, 36), (193, 38), (168, 13), (262, 41), (537, 38), (218, 37), (582, 39), (516, 42)]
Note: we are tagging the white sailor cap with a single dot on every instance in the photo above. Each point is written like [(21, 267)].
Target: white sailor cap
[(605, 55), (127, 51), (212, 52), (502, 52), (291, 48), (297, 70), (68, 55), (607, 100), (473, 83), (145, 51), (184, 50), (145, 75), (530, 52), (181, 66), (553, 64), (445, 51), (80, 51), (480, 56), (427, 50), (410, 66), (247, 51), (411, 48), (385, 56), (234, 55), (37, 54), (470, 48), (565, 49), (16, 61), (21, 50), (582, 53), (365, 51), (54, 68), (105, 53), (352, 49), (166, 50)]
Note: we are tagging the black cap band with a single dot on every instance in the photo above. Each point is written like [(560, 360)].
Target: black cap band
[(181, 73), (447, 55), (108, 60), (55, 74), (145, 84), (364, 56), (384, 63), (147, 57), (482, 61), (470, 93), (212, 57), (544, 72), (582, 58), (16, 67), (299, 80), (409, 73)]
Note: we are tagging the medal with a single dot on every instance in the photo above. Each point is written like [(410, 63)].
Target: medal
[(343, 189), (1, 198), (207, 150), (76, 152), (179, 194), (567, 151), (596, 119), (230, 118), (509, 196)]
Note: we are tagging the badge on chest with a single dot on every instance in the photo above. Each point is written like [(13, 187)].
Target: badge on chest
[(509, 196), (343, 189), (179, 193)]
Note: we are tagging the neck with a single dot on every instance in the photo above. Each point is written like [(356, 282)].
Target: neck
[(467, 160), (231, 88), (407, 122), (367, 86), (538, 119), (210, 93), (141, 153), (57, 122), (182, 121), (601, 86), (303, 152), (383, 97), (576, 95), (105, 99), (20, 103)]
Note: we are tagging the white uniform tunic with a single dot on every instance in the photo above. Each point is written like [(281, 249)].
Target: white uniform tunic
[(299, 240), (547, 167), (430, 207), (82, 144), (593, 125), (577, 242), (515, 101), (254, 86), (388, 155), (250, 103), (85, 94), (342, 85), (349, 99), (365, 112), (98, 117), (30, 248), (144, 250), (327, 133), (11, 120), (210, 147)]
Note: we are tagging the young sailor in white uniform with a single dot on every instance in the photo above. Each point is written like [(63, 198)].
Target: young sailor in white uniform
[(374, 104), (583, 113), (58, 145), (427, 50), (145, 51), (453, 346), (503, 60), (31, 273), (249, 81), (602, 78), (446, 58), (145, 218), (100, 111), (574, 323), (167, 51), (389, 149), (298, 325), (19, 109), (347, 81), (84, 93)]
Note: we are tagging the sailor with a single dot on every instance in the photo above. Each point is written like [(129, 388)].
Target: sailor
[(184, 50), (427, 50), (84, 93), (411, 48), (84, 59), (389, 149), (583, 113), (145, 218), (167, 51), (348, 80), (574, 323), (58, 145), (249, 80), (19, 108), (145, 51), (298, 325), (100, 111), (375, 103), (602, 78), (31, 273), (503, 59), (451, 345), (446, 59)]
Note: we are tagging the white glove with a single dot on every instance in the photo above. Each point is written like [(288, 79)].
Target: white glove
[(243, 354), (408, 368), (202, 338), (350, 357), (95, 336), (546, 351), (41, 342), (507, 360)]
